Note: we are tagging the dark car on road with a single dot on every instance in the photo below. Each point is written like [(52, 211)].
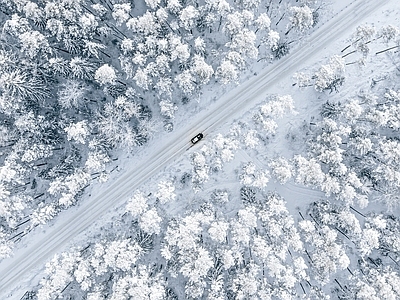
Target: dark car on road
[(197, 138)]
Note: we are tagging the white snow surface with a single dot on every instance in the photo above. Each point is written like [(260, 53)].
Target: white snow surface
[(17, 272)]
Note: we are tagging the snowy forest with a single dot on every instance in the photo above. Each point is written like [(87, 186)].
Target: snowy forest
[(81, 79), (297, 198)]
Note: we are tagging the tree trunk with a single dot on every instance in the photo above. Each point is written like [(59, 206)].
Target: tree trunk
[(350, 271), (38, 196), (361, 214), (391, 48), (304, 291), (313, 217), (26, 221), (347, 47), (280, 19), (343, 234), (106, 3), (339, 284), (105, 53), (269, 5), (349, 53), (59, 49), (308, 255), (220, 22), (116, 30), (84, 6), (287, 32)]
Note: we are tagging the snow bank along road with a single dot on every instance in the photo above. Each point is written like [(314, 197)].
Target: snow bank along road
[(15, 272)]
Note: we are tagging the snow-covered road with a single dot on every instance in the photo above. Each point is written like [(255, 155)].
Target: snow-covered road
[(18, 270)]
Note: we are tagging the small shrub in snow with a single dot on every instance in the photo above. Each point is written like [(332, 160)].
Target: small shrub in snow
[(32, 42), (96, 161), (71, 95), (166, 191), (121, 12), (168, 108), (282, 170), (150, 221), (250, 139), (252, 177), (218, 231), (227, 72), (137, 204), (308, 171), (78, 132), (330, 76), (302, 17), (105, 75), (220, 196)]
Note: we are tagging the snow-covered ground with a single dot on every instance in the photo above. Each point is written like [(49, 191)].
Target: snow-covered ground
[(164, 157)]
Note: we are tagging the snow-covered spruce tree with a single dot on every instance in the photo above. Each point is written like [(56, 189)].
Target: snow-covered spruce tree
[(21, 85), (96, 161), (227, 72), (137, 204), (111, 267), (326, 255), (59, 275), (212, 157), (331, 76), (352, 145), (78, 132), (337, 216), (281, 169), (72, 94), (372, 282), (301, 18), (267, 245), (142, 283), (362, 37), (150, 222), (275, 108), (185, 254), (69, 187), (113, 123), (105, 75), (308, 171), (166, 191), (251, 177)]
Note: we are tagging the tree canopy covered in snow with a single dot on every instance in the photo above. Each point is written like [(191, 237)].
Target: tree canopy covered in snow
[(297, 197)]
